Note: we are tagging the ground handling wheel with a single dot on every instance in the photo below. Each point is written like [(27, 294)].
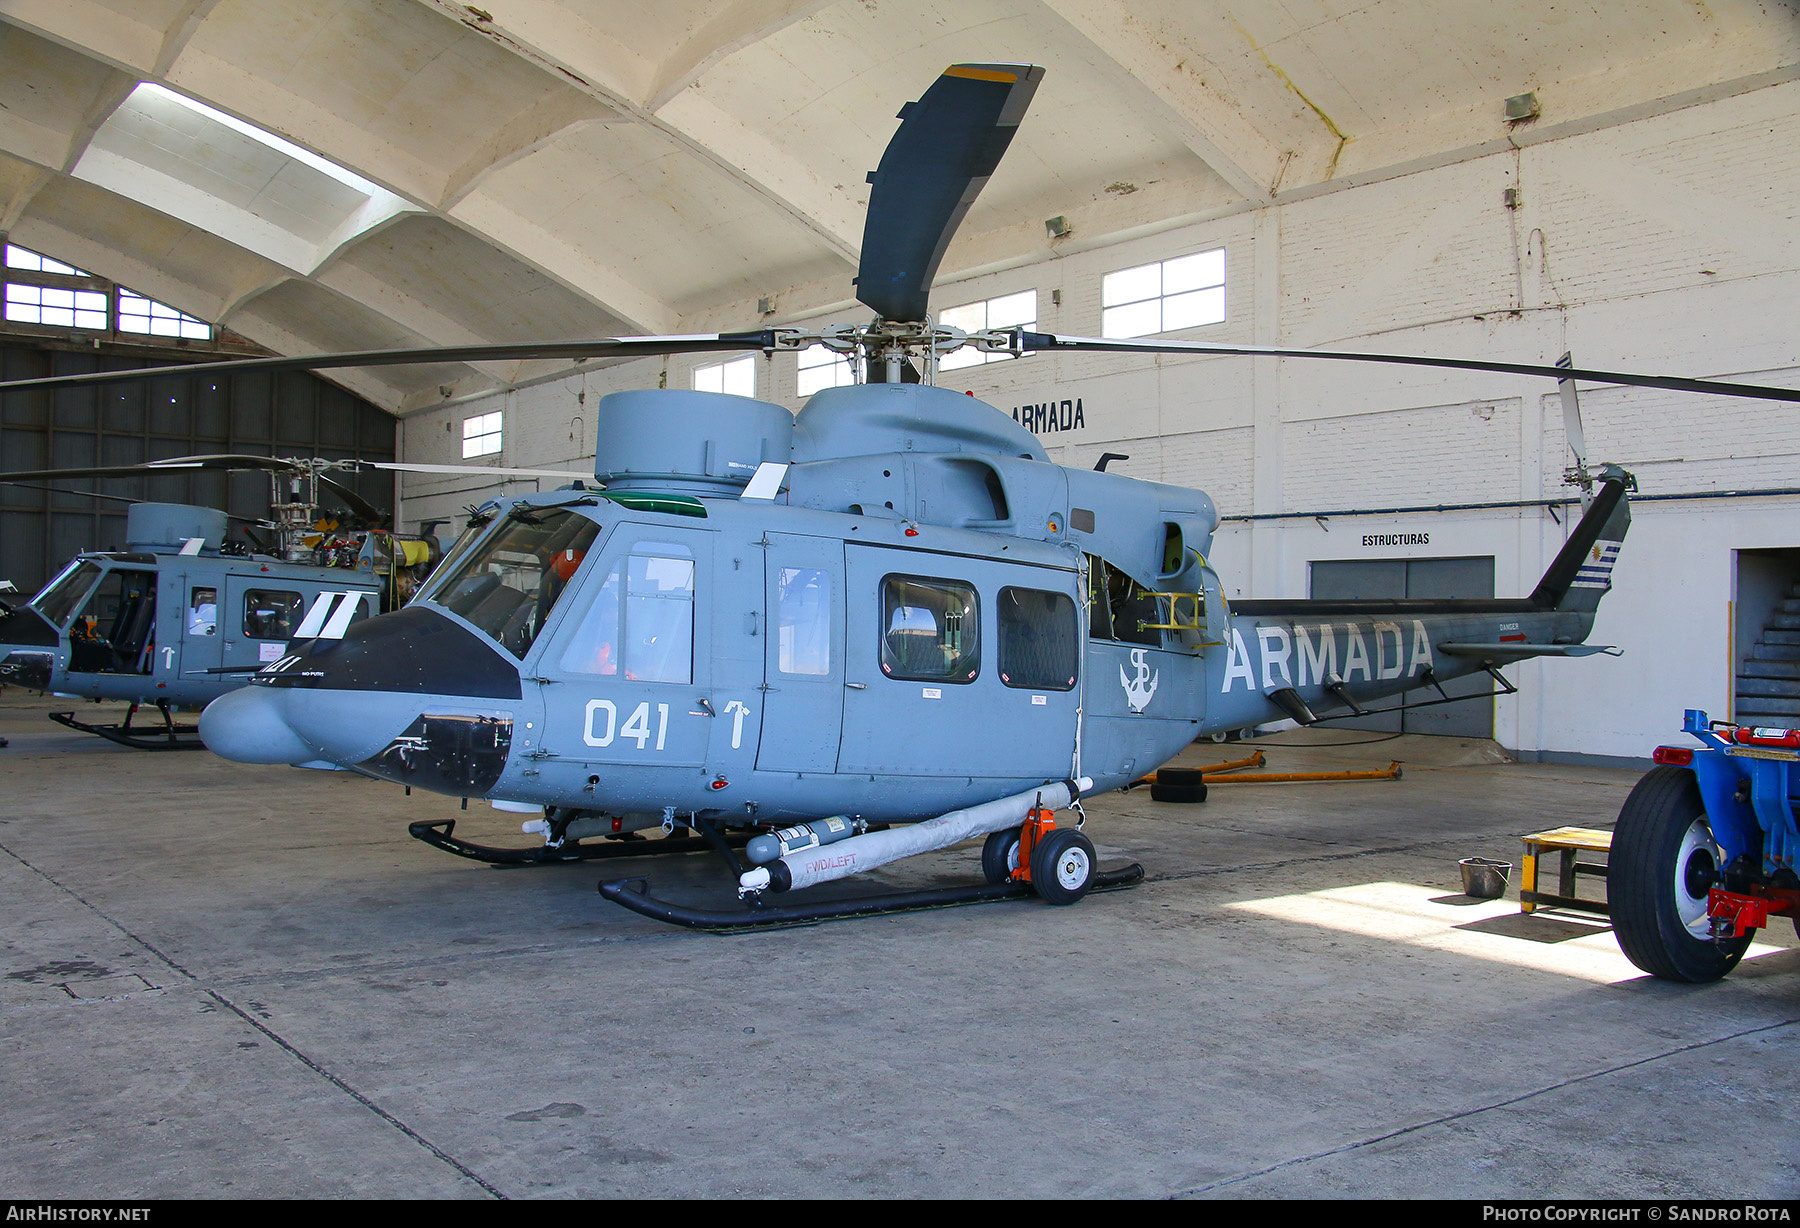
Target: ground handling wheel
[(1663, 864), (1000, 855), (1062, 866)]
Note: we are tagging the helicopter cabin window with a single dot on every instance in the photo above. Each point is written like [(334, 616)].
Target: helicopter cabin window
[(737, 377), (1166, 297), (1038, 649), (1009, 311), (930, 631), (1118, 607), (823, 368), (271, 614), (642, 623), (481, 435), (203, 612), (803, 621), (508, 583)]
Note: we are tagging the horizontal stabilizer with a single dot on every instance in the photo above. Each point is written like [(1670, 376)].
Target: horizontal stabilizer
[(1521, 650)]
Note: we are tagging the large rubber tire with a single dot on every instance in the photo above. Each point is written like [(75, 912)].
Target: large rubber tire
[(1180, 776), (1000, 855), (1062, 866), (1662, 863), (1160, 792)]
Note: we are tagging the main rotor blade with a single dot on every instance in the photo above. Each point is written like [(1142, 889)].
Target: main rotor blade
[(174, 464), (602, 347), (947, 145), (371, 515), (358, 505), (474, 470), (1034, 342)]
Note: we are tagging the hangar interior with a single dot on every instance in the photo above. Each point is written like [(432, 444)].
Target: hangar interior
[(230, 980), (1612, 181)]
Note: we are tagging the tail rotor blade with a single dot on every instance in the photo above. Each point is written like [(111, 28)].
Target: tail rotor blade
[(1572, 413)]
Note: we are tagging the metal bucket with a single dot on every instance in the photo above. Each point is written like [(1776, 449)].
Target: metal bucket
[(1483, 878)]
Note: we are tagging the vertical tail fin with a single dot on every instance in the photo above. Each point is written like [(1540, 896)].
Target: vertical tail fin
[(1582, 570)]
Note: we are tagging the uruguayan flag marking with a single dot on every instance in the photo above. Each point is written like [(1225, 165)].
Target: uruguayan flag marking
[(1596, 572)]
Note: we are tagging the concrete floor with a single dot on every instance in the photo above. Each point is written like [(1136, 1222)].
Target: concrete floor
[(228, 981)]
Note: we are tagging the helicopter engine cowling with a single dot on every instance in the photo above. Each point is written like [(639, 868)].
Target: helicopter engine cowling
[(676, 441), (164, 527)]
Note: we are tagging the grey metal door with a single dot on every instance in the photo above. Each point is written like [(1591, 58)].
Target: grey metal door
[(1389, 579)]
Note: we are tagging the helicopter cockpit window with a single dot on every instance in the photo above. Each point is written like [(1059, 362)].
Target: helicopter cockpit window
[(1038, 649), (642, 623), (508, 583), (63, 594), (929, 630), (271, 614), (803, 621), (203, 612)]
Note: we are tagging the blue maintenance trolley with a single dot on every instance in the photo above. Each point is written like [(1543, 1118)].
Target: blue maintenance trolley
[(1704, 850)]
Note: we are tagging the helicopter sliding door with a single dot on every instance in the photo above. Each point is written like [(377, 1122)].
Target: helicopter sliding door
[(803, 671), (258, 616), (958, 666)]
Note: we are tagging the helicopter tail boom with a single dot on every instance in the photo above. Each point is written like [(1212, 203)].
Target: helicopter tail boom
[(1296, 658)]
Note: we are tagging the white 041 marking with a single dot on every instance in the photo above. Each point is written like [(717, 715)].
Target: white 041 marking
[(636, 726)]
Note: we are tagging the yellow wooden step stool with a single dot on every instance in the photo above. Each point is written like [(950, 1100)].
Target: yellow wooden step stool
[(1567, 841)]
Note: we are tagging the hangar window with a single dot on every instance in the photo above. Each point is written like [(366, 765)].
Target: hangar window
[(929, 630), (24, 258), (1009, 311), (823, 368), (1166, 297), (138, 314), (737, 377), (50, 294), (56, 306), (481, 435)]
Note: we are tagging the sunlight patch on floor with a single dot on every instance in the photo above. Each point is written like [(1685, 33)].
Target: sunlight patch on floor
[(1567, 944)]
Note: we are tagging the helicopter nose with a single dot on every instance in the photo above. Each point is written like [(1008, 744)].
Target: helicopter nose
[(249, 726), (28, 668)]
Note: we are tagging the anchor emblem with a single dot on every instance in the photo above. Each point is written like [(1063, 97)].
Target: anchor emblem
[(1139, 690)]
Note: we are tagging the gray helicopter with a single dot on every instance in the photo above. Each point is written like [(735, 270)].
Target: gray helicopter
[(881, 627), (186, 609)]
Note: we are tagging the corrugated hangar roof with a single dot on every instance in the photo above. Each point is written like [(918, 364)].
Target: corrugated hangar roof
[(554, 169)]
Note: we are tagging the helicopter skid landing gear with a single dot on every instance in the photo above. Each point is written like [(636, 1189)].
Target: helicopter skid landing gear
[(633, 893), (169, 737), (439, 833)]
